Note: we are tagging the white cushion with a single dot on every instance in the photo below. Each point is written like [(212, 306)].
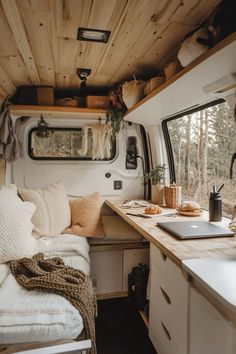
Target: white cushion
[(9, 194), (52, 213), (16, 240)]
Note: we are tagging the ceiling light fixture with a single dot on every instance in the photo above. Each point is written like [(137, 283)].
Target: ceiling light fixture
[(93, 35)]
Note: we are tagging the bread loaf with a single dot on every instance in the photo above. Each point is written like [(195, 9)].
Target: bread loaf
[(189, 206), (153, 209)]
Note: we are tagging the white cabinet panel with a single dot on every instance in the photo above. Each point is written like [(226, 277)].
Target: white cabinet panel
[(106, 271), (171, 271), (168, 315), (171, 307), (166, 340), (210, 332), (132, 258)]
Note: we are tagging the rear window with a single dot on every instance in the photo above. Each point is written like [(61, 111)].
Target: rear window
[(66, 144), (202, 149)]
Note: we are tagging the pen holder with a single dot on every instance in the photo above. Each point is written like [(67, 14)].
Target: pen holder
[(173, 196)]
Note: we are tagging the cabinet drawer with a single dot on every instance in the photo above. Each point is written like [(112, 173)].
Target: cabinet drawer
[(167, 303), (170, 270), (164, 339)]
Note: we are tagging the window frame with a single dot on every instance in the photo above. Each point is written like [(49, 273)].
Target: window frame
[(166, 134), (82, 158)]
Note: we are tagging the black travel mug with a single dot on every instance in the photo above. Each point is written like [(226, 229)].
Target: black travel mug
[(215, 207)]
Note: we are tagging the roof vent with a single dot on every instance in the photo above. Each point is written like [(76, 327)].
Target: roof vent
[(93, 35)]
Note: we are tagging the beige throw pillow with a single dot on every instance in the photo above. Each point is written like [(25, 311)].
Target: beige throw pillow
[(86, 216), (52, 213)]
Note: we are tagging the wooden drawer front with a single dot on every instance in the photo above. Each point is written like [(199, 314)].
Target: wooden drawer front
[(170, 270), (164, 339), (171, 306)]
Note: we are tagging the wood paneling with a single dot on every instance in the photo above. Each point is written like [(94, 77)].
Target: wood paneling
[(38, 39), (15, 21)]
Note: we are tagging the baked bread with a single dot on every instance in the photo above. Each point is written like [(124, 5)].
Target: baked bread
[(189, 206), (153, 209)]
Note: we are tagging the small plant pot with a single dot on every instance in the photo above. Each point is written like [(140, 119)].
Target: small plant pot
[(157, 194)]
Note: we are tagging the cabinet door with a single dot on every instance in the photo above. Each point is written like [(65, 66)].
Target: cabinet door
[(210, 332), (106, 271)]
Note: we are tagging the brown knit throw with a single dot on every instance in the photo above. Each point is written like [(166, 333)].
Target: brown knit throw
[(52, 276)]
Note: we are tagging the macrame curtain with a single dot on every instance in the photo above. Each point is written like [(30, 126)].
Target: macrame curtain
[(101, 135)]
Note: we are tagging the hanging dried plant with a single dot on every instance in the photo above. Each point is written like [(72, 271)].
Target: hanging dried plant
[(115, 111)]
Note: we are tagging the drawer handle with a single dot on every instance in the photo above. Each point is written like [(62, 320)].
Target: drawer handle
[(166, 297), (163, 256), (166, 331)]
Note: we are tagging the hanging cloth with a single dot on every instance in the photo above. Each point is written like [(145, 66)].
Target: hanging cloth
[(10, 148), (101, 134)]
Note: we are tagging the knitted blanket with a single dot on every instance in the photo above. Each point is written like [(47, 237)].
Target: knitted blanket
[(52, 276)]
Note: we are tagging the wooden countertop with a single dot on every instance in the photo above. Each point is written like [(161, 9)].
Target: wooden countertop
[(177, 250)]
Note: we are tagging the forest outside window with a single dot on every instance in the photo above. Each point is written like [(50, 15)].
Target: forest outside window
[(203, 144), (66, 144)]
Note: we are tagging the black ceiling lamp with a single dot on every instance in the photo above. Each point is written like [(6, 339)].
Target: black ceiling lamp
[(93, 35), (83, 75)]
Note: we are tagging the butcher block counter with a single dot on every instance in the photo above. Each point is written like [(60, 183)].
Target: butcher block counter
[(186, 277), (176, 250)]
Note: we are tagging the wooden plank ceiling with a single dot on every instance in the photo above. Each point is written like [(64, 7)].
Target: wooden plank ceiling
[(38, 44)]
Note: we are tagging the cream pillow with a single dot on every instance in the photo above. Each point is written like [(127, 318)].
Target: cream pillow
[(9, 194), (16, 240), (52, 213), (86, 216)]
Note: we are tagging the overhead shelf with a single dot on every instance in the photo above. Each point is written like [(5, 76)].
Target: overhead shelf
[(57, 111), (185, 90)]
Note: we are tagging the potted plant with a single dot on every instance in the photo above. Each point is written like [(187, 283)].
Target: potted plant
[(157, 178)]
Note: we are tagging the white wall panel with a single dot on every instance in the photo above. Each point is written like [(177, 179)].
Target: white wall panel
[(79, 177)]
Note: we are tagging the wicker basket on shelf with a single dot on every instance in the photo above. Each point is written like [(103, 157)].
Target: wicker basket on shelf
[(171, 69), (173, 195)]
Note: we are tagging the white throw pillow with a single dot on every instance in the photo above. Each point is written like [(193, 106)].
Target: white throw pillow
[(52, 213), (9, 194), (16, 240)]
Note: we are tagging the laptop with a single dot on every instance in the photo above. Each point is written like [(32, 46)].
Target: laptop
[(194, 229)]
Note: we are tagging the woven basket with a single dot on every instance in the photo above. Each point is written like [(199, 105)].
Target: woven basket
[(153, 84), (173, 196), (172, 69)]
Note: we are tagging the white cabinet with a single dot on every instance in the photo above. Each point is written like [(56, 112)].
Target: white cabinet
[(168, 316), (110, 268), (106, 271), (210, 332)]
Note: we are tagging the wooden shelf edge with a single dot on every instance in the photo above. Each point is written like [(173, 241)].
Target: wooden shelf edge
[(54, 109), (144, 318), (231, 38)]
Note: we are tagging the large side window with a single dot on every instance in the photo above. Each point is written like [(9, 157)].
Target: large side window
[(201, 148), (67, 144)]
